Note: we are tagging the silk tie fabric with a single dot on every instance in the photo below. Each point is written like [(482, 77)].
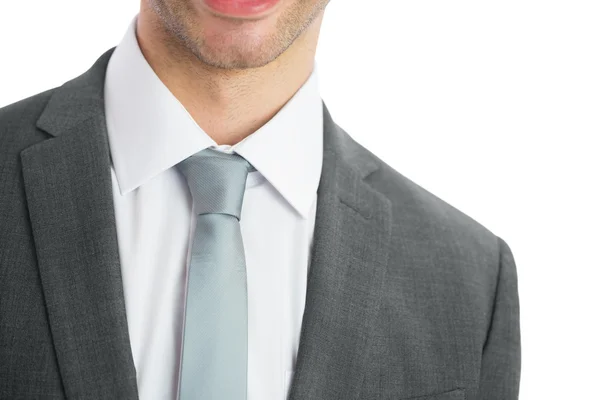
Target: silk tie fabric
[(215, 341)]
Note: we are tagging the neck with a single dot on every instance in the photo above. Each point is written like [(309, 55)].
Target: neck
[(228, 105)]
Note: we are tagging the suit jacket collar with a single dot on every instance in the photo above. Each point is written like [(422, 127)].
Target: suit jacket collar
[(77, 100), (69, 195)]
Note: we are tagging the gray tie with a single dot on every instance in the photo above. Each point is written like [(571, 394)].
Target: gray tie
[(215, 343)]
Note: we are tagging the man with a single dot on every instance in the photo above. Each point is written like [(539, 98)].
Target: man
[(185, 220)]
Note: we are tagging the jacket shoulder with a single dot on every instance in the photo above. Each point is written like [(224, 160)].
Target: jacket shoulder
[(431, 218), (430, 208)]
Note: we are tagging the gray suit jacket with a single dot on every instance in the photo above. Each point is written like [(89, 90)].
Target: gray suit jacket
[(407, 297)]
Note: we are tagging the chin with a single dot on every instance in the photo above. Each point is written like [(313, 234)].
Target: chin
[(231, 44), (233, 52), (232, 59)]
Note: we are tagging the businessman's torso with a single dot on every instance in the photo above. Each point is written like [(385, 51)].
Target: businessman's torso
[(407, 297)]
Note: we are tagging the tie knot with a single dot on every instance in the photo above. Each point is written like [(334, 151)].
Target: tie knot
[(217, 181)]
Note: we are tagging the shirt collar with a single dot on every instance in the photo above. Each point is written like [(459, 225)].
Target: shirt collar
[(150, 131)]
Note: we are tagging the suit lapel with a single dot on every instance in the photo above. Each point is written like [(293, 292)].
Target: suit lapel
[(347, 272), (69, 195)]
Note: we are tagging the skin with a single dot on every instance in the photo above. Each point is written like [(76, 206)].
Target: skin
[(231, 74)]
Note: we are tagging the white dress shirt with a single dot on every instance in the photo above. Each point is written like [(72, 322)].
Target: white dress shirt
[(150, 132)]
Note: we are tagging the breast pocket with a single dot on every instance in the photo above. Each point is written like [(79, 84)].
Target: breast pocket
[(458, 394)]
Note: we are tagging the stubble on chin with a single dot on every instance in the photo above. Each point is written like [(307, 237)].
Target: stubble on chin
[(237, 49)]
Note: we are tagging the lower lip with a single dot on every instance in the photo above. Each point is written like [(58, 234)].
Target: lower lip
[(241, 8)]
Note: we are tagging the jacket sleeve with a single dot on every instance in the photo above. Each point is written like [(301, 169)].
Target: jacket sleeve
[(501, 358)]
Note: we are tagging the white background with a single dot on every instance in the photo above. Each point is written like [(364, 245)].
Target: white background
[(493, 106)]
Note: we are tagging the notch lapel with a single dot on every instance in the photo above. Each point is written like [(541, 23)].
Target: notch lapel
[(350, 253), (69, 195)]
